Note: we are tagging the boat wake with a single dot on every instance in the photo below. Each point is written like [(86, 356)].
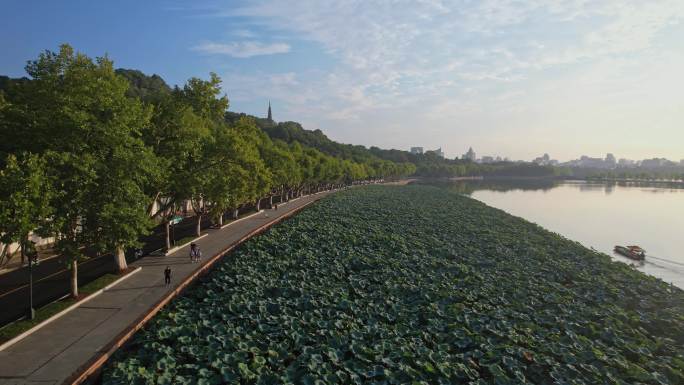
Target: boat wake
[(666, 260)]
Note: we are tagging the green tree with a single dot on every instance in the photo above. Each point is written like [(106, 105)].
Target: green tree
[(75, 111), (239, 175), (177, 136), (24, 203), (285, 171), (202, 97)]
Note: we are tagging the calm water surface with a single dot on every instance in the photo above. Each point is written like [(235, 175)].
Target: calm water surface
[(600, 215)]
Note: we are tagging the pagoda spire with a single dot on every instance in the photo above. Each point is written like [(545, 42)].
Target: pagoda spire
[(270, 117)]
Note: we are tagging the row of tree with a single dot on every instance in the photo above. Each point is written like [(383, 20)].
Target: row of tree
[(671, 173), (93, 164)]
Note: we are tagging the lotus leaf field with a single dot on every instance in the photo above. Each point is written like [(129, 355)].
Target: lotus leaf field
[(412, 285)]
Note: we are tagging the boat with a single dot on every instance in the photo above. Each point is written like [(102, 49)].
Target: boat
[(633, 252)]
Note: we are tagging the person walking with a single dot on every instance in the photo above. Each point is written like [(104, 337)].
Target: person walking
[(167, 276)]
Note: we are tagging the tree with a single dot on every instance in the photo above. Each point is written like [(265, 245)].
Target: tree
[(24, 203), (177, 136), (202, 97), (238, 174), (285, 172), (99, 164)]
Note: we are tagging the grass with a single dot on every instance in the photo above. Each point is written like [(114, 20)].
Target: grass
[(185, 240), (14, 329), (191, 238)]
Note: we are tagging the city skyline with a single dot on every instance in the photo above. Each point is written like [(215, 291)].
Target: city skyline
[(517, 79), (476, 156)]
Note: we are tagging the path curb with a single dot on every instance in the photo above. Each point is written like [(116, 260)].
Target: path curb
[(239, 219), (91, 367), (176, 248), (65, 311)]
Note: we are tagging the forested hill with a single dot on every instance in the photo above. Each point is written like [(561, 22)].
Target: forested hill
[(151, 87), (292, 131), (144, 87), (429, 164)]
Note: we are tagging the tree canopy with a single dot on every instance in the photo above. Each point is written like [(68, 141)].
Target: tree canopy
[(116, 151)]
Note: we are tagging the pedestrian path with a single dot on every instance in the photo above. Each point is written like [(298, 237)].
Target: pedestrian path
[(84, 336)]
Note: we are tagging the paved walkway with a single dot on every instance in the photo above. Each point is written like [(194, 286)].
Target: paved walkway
[(52, 354)]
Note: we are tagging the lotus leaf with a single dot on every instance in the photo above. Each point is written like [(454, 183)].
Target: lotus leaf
[(412, 285)]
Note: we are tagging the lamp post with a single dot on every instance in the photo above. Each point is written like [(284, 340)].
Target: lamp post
[(32, 254)]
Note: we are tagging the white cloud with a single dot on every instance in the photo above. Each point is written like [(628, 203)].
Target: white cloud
[(410, 61), (382, 44), (244, 49), (244, 33)]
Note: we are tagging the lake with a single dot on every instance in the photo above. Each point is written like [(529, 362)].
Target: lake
[(599, 215)]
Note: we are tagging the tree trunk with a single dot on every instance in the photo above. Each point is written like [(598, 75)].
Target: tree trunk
[(220, 219), (120, 259), (21, 251), (270, 201), (199, 224), (167, 228), (258, 204), (74, 278)]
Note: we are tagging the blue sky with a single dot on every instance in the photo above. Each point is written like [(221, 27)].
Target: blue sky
[(510, 78)]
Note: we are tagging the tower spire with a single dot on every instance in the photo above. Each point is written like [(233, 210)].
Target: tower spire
[(270, 117)]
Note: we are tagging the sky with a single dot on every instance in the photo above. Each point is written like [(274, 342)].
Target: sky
[(509, 78)]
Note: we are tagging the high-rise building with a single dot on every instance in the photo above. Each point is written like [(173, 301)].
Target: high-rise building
[(439, 152), (470, 155), (416, 150)]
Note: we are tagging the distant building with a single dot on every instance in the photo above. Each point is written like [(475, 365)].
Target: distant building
[(270, 116), (586, 161), (610, 160), (439, 152), (656, 162), (544, 160), (681, 162), (416, 150), (487, 159), (470, 155), (626, 163)]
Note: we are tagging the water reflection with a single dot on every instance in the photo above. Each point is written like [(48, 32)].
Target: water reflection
[(469, 186), (597, 214)]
